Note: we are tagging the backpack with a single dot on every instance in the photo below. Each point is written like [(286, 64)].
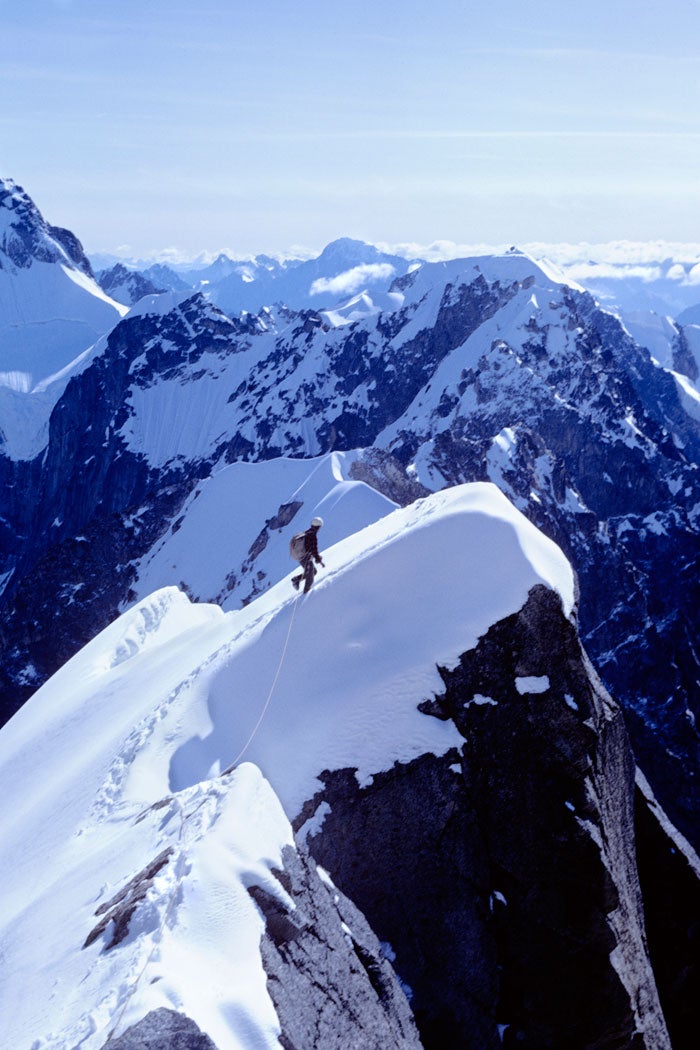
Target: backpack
[(297, 546)]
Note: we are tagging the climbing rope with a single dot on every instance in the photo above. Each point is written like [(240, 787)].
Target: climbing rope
[(257, 725), (181, 836)]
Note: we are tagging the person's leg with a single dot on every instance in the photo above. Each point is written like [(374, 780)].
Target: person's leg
[(309, 573)]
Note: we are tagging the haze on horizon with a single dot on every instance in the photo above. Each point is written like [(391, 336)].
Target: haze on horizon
[(260, 128)]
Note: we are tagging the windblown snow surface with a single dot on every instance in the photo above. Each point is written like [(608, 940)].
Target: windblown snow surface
[(50, 314), (123, 755)]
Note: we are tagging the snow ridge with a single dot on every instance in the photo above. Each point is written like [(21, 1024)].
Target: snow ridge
[(153, 848)]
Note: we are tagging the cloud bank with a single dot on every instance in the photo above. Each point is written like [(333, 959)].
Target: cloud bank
[(353, 280)]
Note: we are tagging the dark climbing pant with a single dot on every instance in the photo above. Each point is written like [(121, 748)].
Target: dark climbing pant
[(308, 574)]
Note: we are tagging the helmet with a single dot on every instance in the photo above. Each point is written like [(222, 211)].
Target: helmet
[(316, 523)]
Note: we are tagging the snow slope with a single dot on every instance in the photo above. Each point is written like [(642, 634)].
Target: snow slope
[(51, 311), (25, 414), (219, 529), (51, 307), (663, 337), (121, 757)]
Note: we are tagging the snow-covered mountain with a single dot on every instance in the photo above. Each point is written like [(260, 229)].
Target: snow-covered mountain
[(349, 278), (51, 307), (127, 286), (624, 277), (448, 761), (675, 347), (343, 269), (690, 316)]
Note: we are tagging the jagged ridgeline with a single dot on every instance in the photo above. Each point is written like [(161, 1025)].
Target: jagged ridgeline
[(435, 842)]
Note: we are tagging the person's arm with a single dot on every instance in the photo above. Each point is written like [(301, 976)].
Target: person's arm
[(313, 543)]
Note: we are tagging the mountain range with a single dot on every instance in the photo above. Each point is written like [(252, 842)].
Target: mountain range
[(449, 800), (627, 278)]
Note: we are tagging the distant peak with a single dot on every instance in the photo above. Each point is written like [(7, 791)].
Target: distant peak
[(350, 250), (14, 198), (25, 236)]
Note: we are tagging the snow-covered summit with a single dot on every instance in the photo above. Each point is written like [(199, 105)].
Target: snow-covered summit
[(27, 238), (51, 307), (343, 268), (415, 588), (506, 268), (127, 286)]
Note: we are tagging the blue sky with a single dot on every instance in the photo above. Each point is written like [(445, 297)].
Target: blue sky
[(262, 126)]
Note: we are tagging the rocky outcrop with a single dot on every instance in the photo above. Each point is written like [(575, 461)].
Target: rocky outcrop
[(28, 238), (503, 875), (669, 875), (329, 978), (115, 914), (127, 286), (162, 1030)]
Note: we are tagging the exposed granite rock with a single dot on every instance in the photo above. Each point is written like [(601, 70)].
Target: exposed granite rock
[(119, 910), (28, 238), (127, 286), (669, 874), (329, 978), (383, 472), (504, 877), (286, 513), (406, 851), (330, 981), (162, 1030)]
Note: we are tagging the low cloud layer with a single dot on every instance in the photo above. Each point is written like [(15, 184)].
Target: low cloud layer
[(353, 280)]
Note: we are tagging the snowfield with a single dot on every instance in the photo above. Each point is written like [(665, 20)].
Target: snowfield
[(116, 770), (49, 315)]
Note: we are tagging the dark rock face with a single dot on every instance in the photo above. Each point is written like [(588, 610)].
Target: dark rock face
[(601, 457), (127, 286), (162, 1030), (402, 851), (383, 472), (119, 910), (504, 876), (328, 978), (76, 516), (30, 239), (669, 874)]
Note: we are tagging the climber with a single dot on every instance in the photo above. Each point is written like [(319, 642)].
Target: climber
[(303, 547)]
